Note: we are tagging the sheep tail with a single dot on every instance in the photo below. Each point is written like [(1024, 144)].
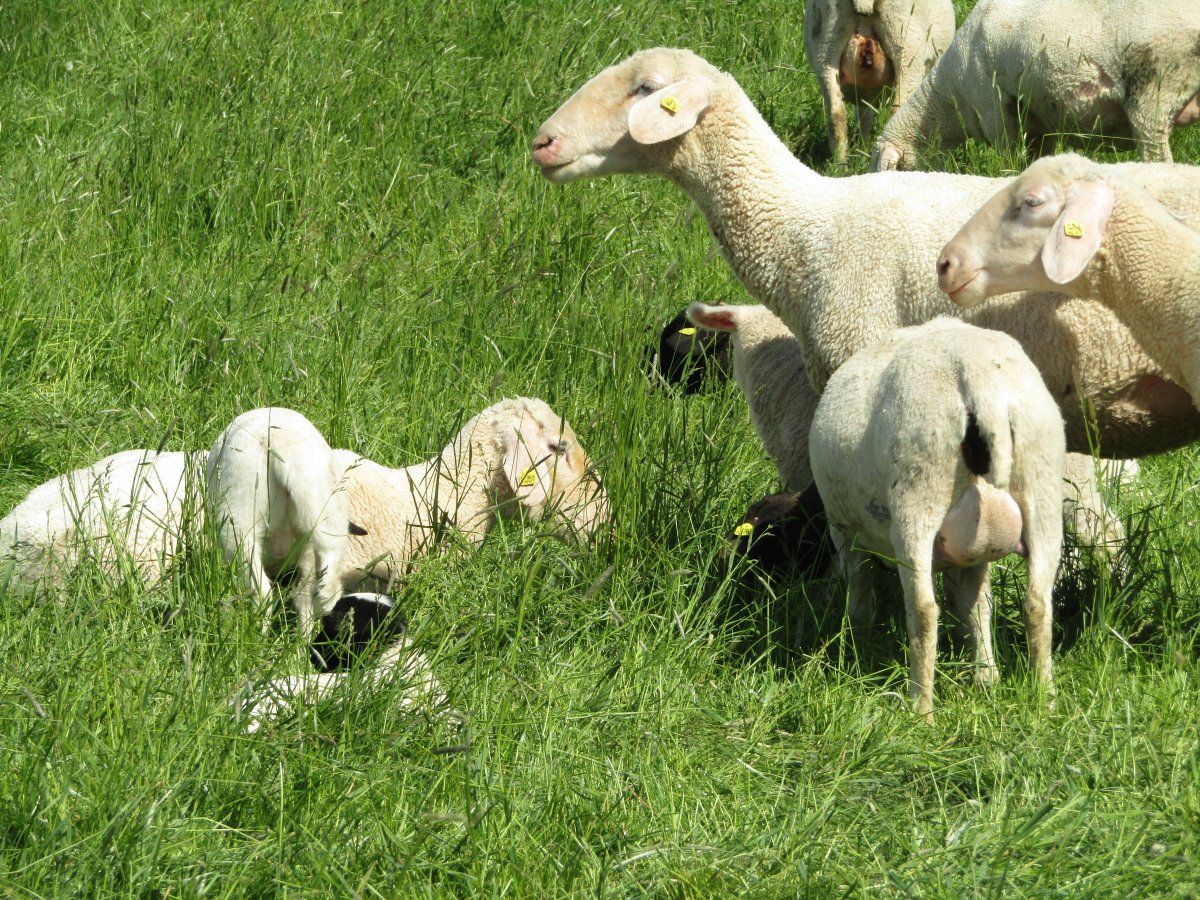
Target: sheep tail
[(987, 442)]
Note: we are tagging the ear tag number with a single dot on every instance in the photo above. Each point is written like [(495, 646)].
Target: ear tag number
[(670, 104), (528, 478), (744, 530), (1072, 229), (687, 331)]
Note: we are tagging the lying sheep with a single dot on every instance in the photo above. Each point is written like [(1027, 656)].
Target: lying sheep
[(784, 531), (857, 47), (1068, 224), (687, 357), (130, 508), (1121, 68), (844, 261), (516, 458), (276, 496), (941, 448), (356, 624)]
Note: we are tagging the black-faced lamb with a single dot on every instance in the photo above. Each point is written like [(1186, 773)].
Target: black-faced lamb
[(844, 261), (940, 448), (687, 357), (859, 47), (1068, 224), (1069, 69)]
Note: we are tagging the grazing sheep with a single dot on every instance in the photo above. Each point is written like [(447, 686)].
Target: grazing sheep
[(857, 47), (128, 508), (516, 458), (687, 356), (844, 261), (276, 496), (1122, 68), (940, 447), (784, 531), (356, 623), (1068, 224)]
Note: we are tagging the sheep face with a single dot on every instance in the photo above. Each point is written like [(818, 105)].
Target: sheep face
[(546, 473), (611, 123), (1038, 234)]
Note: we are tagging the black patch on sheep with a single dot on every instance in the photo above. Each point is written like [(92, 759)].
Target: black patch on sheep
[(788, 531), (357, 530), (975, 451), (684, 359), (357, 626)]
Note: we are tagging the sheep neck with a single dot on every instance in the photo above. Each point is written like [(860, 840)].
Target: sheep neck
[(1148, 273), (455, 489), (754, 194)]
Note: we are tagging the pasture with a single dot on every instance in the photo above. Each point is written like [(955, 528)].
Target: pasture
[(208, 207)]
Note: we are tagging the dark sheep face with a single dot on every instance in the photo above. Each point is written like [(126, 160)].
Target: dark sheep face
[(686, 353), (359, 626), (785, 531)]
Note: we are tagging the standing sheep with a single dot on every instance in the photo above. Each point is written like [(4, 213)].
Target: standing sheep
[(1068, 224), (129, 508), (940, 447), (857, 47), (1121, 68), (845, 261)]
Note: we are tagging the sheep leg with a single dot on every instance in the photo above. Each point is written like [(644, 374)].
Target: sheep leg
[(854, 571), (921, 609), (835, 109), (970, 593), (1042, 566), (1151, 127)]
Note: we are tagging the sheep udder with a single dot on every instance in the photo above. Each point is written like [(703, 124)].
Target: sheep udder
[(984, 525)]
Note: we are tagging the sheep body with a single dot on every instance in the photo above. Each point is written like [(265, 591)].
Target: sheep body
[(132, 507), (844, 261), (941, 447), (1123, 68), (1070, 224), (856, 48)]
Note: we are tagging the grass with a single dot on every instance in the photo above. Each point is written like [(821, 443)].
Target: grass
[(207, 207)]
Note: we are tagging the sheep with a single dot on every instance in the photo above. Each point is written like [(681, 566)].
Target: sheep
[(516, 458), (844, 261), (783, 531), (356, 623), (857, 47), (1121, 68), (275, 496), (1068, 224), (130, 508), (940, 448), (686, 356)]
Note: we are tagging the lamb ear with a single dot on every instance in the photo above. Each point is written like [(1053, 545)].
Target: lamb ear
[(525, 458), (1076, 235), (714, 318), (671, 111)]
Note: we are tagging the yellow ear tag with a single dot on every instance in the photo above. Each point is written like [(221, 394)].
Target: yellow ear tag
[(1071, 228), (670, 104), (688, 331), (744, 530), (528, 478)]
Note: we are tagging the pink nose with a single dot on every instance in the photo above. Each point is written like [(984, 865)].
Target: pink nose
[(545, 149), (947, 269)]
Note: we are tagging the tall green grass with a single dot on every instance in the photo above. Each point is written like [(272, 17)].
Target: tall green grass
[(207, 207)]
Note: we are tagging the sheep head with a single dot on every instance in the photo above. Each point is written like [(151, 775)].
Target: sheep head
[(1038, 233), (612, 124)]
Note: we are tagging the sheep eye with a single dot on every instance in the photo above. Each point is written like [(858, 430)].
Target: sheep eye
[(1033, 201), (560, 447), (644, 89)]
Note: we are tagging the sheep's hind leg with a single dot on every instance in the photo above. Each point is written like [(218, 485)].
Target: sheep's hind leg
[(970, 593)]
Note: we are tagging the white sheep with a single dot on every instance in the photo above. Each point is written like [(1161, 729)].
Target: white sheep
[(276, 497), (768, 366), (128, 509), (1068, 224), (844, 261), (516, 458), (857, 47), (940, 447), (1072, 68)]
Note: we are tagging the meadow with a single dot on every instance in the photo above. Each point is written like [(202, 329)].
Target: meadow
[(208, 207)]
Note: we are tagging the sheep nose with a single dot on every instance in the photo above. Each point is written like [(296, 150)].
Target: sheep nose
[(545, 148), (948, 265)]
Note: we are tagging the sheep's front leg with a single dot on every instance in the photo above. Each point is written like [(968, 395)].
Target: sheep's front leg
[(835, 108), (1151, 126), (970, 593)]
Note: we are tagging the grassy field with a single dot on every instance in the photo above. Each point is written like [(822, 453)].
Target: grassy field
[(207, 207)]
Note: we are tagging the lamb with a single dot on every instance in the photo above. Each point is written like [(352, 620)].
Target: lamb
[(1121, 68), (516, 458), (784, 531), (686, 356), (1067, 224), (940, 447), (844, 261), (128, 509), (857, 47)]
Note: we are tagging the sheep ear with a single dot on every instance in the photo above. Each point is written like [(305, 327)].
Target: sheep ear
[(670, 112), (714, 318), (1076, 235), (525, 458)]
